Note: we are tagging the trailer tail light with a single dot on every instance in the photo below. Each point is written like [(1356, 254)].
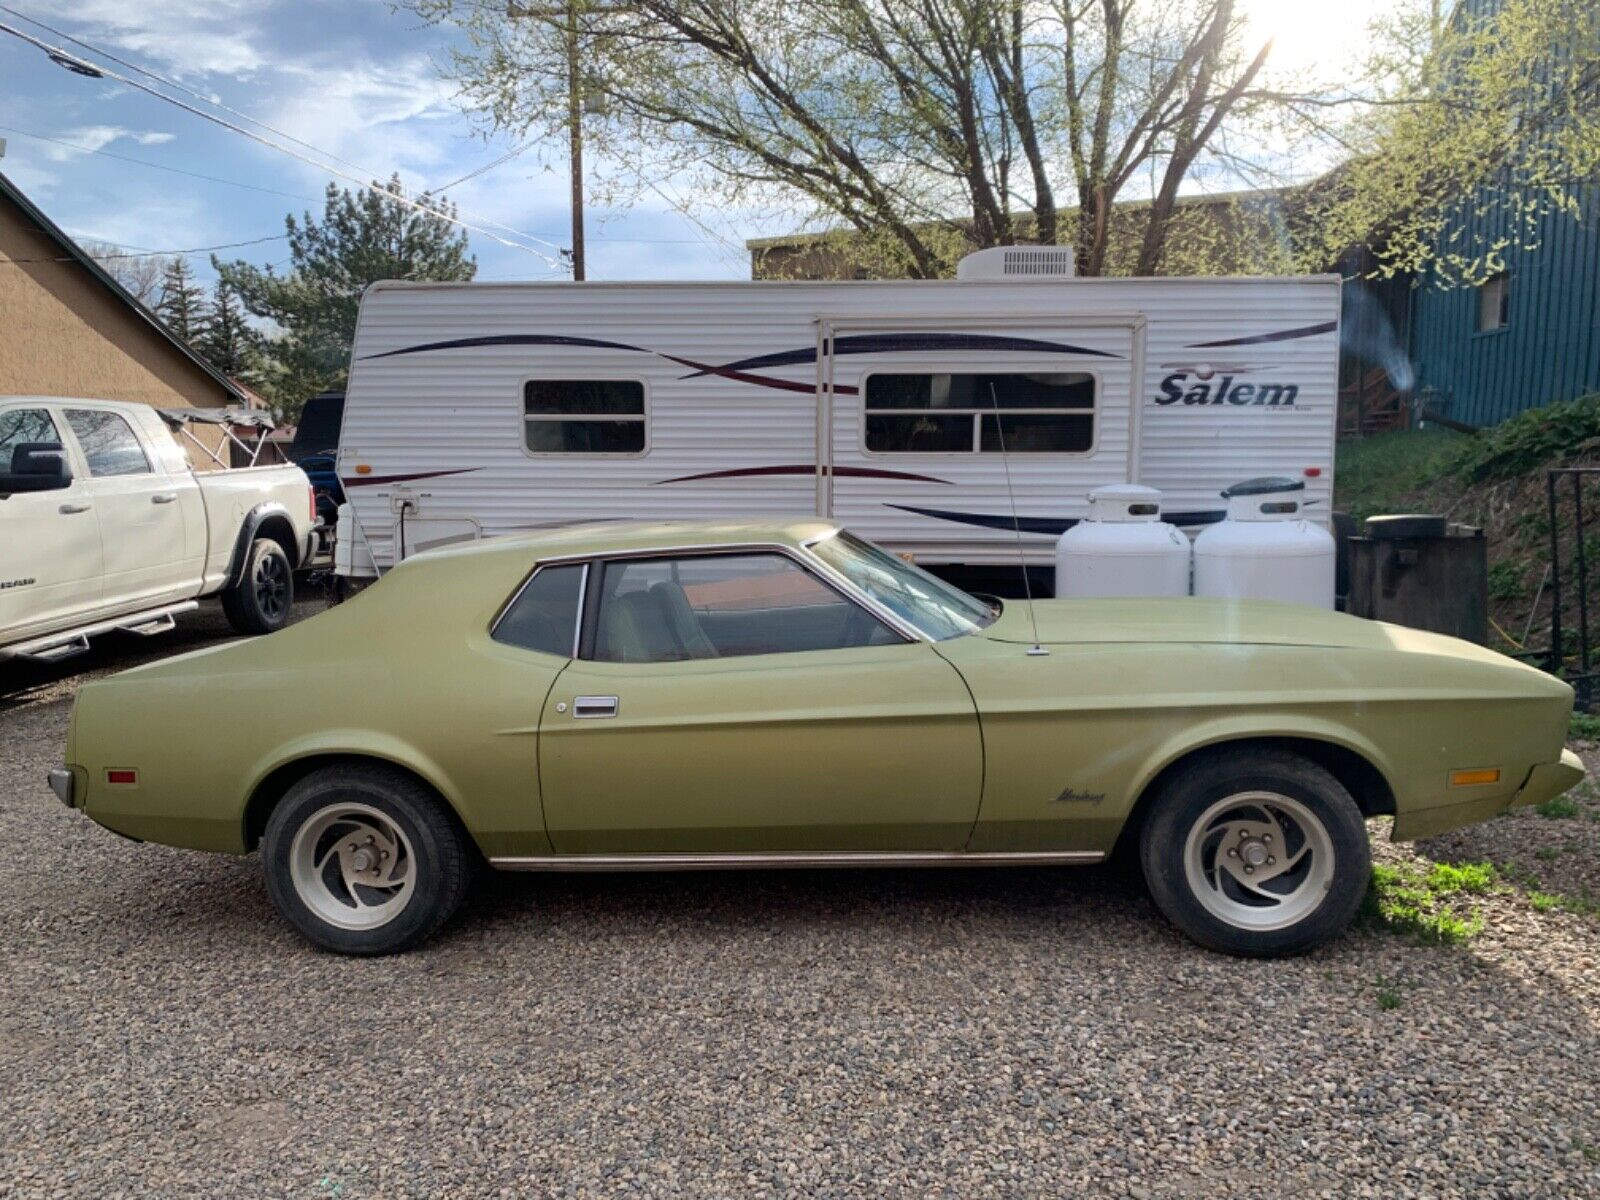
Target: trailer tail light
[(126, 778), (1313, 472), (311, 498)]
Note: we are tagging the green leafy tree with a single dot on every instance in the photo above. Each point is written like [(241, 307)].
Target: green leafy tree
[(229, 342), (361, 238), (1481, 126), (181, 302)]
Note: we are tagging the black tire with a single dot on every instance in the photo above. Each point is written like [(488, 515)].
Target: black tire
[(260, 602), (440, 866), (1211, 782)]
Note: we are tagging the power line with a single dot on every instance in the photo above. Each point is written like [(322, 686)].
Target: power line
[(94, 71), (67, 62), (154, 165), (277, 237), (488, 166), (174, 84)]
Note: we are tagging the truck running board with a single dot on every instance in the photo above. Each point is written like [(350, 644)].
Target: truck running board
[(57, 646)]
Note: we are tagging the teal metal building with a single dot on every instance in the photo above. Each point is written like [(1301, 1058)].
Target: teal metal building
[(1527, 337)]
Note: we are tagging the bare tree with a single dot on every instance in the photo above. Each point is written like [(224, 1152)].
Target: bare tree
[(140, 274), (927, 126)]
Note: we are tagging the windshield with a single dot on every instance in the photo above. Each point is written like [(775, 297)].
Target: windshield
[(916, 597)]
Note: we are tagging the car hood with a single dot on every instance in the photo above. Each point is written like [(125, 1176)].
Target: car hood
[(1192, 620)]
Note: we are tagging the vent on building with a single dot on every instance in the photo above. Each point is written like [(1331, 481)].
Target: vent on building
[(1018, 262)]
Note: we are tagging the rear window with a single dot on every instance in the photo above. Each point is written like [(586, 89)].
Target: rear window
[(544, 615)]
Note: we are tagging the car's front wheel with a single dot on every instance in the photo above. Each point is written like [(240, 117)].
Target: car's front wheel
[(1258, 852), (364, 860)]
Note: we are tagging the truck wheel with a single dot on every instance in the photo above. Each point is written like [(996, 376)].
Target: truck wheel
[(364, 860), (260, 601), (1259, 853)]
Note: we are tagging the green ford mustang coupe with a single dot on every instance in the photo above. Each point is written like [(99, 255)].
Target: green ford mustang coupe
[(637, 696)]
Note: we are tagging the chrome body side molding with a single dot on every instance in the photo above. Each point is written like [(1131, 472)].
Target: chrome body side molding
[(802, 858)]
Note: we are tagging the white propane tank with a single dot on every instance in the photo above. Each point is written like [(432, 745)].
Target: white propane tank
[(1123, 548), (1264, 549)]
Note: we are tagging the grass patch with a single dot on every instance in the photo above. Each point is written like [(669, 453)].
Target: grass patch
[(1584, 727), (1529, 440), (1389, 997), (1544, 901), (1376, 474), (1429, 904), (1557, 808)]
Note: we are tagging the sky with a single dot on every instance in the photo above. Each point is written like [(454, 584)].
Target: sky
[(359, 81)]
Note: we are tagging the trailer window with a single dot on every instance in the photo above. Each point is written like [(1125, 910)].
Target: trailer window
[(583, 416), (1034, 413)]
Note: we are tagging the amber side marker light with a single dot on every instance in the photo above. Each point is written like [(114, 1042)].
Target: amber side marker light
[(122, 777), (1475, 778)]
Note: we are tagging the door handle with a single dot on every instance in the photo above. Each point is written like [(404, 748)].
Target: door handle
[(587, 707), (163, 497), (69, 509)]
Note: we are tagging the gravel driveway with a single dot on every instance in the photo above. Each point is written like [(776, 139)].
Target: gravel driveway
[(961, 1033)]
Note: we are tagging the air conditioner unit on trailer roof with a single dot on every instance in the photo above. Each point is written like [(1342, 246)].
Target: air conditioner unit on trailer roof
[(1018, 262)]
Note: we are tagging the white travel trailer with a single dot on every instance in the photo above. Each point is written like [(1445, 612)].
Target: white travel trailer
[(477, 409)]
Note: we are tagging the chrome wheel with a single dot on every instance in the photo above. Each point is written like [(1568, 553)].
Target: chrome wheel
[(272, 585), (352, 866), (1259, 860)]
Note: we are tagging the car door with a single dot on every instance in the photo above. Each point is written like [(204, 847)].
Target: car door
[(141, 522), (736, 702), (49, 541)]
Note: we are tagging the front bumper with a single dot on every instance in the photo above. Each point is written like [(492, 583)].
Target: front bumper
[(1548, 780), (1544, 782)]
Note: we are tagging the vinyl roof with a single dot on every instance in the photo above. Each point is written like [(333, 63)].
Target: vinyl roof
[(621, 537)]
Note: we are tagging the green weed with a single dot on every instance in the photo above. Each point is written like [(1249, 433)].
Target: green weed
[(1428, 904)]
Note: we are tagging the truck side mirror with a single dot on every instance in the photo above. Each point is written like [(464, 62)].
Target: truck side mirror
[(37, 467)]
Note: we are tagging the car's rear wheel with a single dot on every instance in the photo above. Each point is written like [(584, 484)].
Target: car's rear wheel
[(260, 602), (364, 860), (1259, 852)]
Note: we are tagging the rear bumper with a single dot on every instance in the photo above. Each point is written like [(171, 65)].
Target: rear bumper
[(64, 783)]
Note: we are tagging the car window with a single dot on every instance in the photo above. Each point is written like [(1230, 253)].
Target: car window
[(724, 606), (544, 615), (20, 426), (939, 609), (108, 441)]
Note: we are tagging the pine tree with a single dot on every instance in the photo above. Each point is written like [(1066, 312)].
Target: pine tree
[(182, 302), (228, 341), (362, 237)]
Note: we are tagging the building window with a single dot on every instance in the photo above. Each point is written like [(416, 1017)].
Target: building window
[(108, 442), (583, 416), (1494, 303), (1043, 413)]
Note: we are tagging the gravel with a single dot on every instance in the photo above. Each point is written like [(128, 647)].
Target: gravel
[(947, 1033)]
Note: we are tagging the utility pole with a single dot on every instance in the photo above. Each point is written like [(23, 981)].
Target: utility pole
[(569, 16), (575, 139)]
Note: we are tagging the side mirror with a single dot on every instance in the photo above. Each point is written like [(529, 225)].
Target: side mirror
[(37, 467)]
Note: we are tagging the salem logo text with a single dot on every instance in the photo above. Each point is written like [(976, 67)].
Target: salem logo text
[(1205, 390)]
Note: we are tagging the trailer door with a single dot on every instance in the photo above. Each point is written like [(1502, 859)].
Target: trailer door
[(920, 411)]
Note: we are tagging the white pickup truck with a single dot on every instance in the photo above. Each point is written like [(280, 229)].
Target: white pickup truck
[(104, 525)]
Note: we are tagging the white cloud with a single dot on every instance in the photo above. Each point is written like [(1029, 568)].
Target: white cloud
[(98, 137), (190, 38)]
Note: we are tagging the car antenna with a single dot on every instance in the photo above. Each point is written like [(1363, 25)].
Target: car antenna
[(1016, 523)]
